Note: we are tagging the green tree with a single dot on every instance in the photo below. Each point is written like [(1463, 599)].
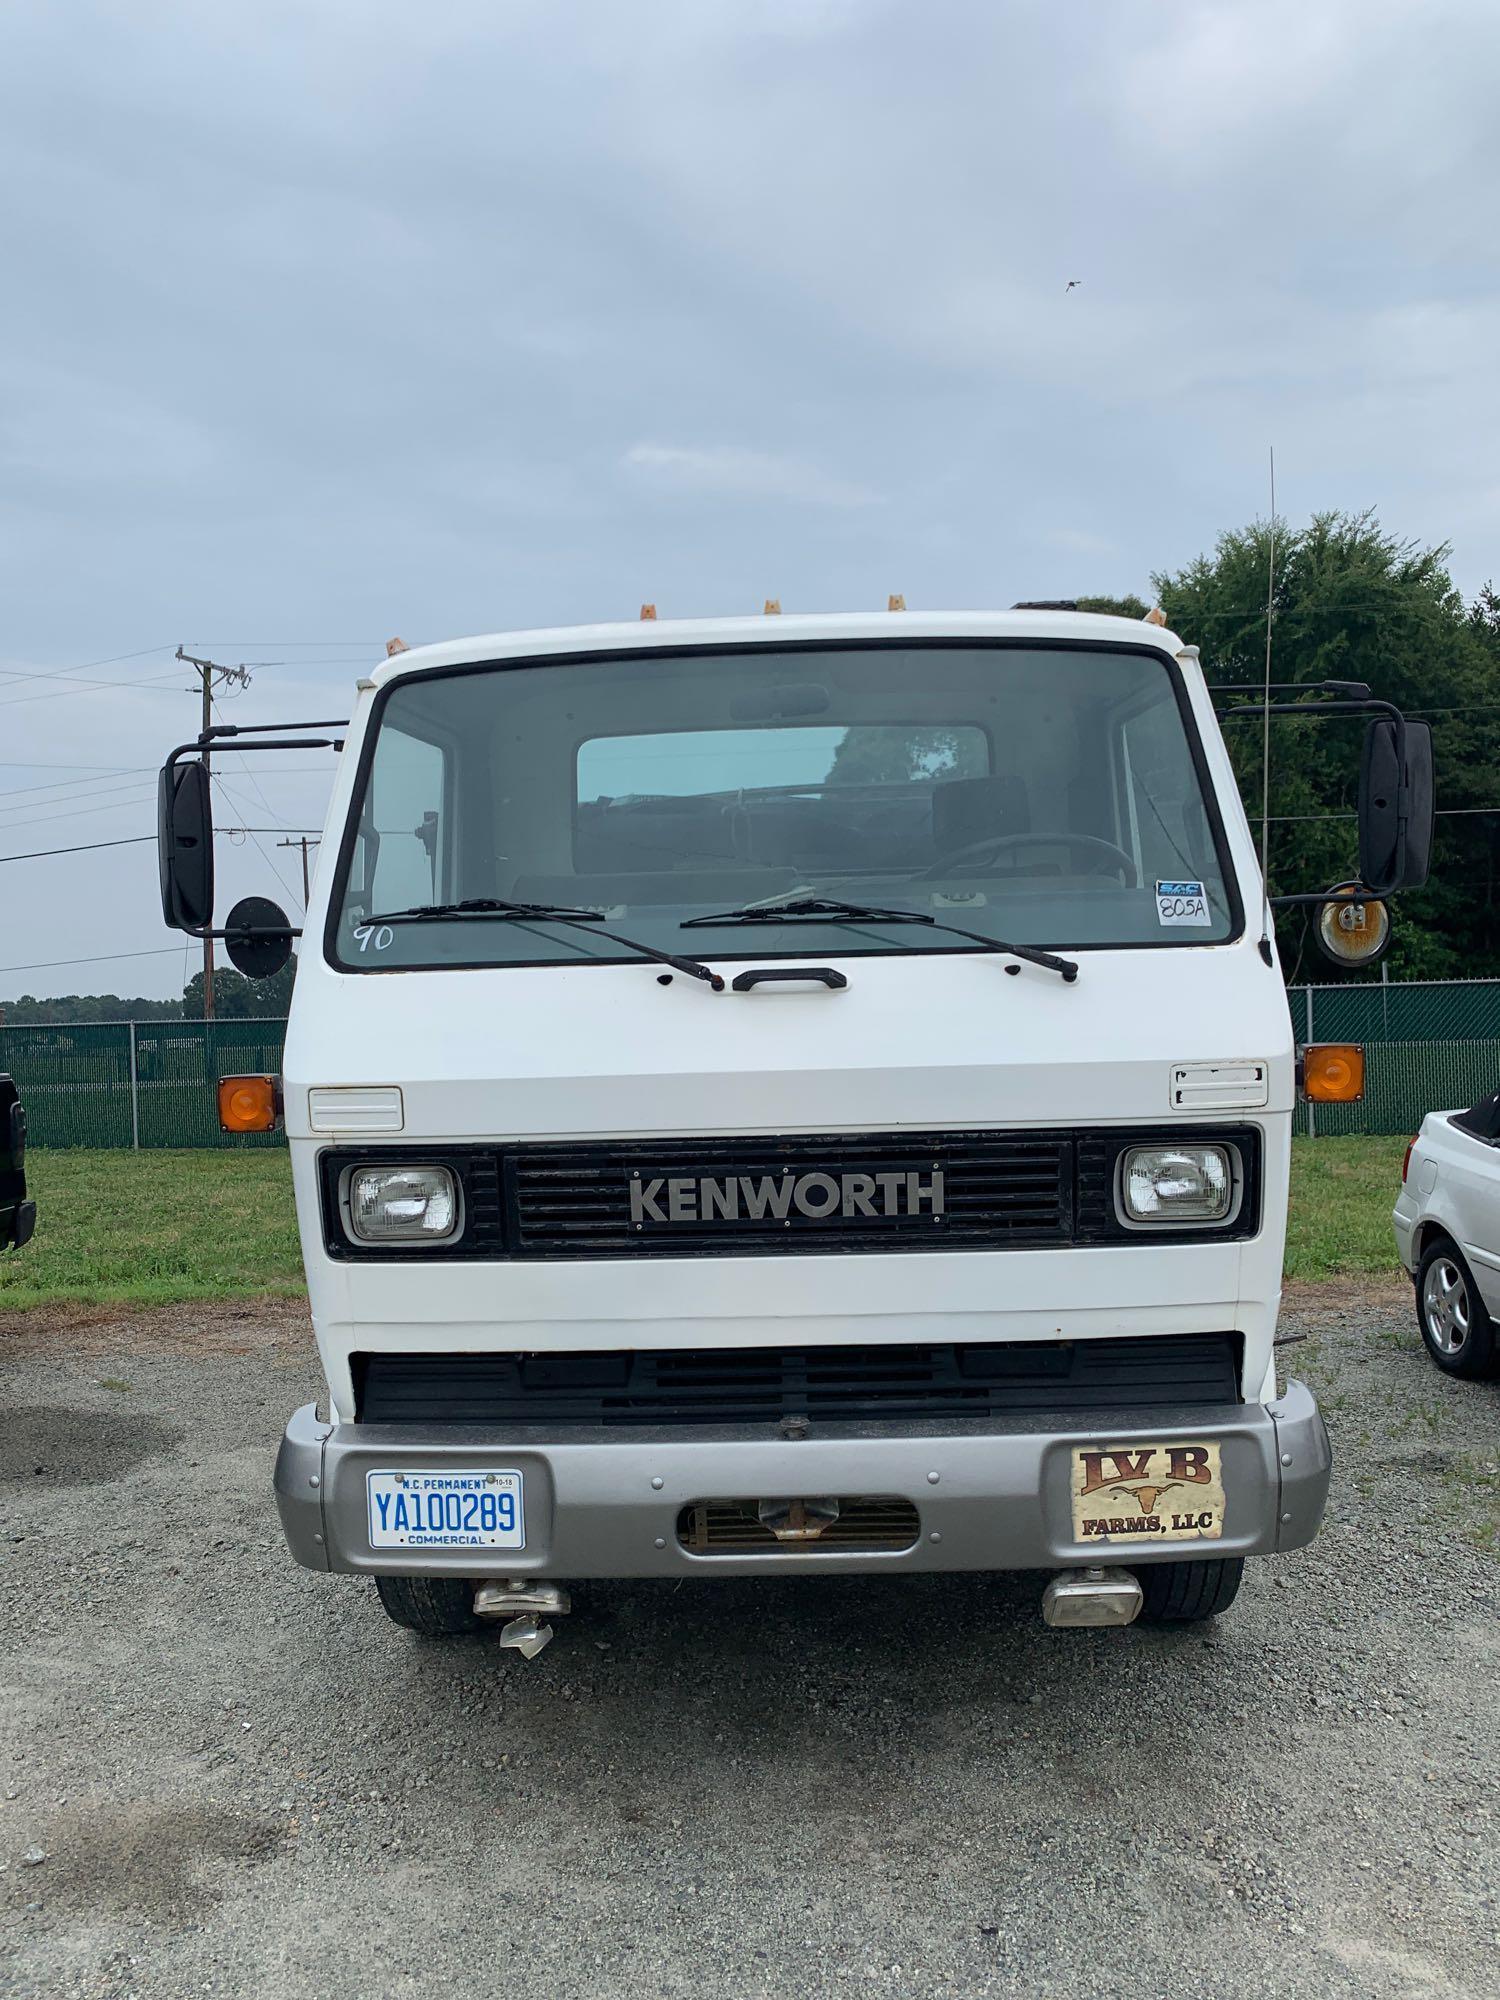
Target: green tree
[(878, 753), (68, 1009), (239, 998), (1351, 602)]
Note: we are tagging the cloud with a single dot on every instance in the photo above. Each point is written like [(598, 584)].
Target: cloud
[(1079, 541), (474, 317), (746, 475)]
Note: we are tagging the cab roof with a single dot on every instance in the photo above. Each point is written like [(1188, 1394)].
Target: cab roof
[(653, 634)]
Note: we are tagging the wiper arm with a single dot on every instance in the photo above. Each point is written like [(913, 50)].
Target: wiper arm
[(587, 921), (814, 909), (807, 906)]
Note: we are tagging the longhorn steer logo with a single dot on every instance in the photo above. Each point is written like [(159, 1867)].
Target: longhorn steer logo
[(670, 1198), (1134, 1479)]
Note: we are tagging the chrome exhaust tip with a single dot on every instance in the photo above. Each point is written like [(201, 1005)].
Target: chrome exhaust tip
[(1092, 1597), (527, 1634), (524, 1602)]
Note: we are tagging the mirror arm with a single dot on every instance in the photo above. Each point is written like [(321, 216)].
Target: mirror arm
[(1350, 690), (219, 729), (1363, 705), (1358, 895), (251, 931)]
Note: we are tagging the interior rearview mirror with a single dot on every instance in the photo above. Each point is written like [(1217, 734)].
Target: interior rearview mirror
[(258, 937), (1395, 807), (185, 846)]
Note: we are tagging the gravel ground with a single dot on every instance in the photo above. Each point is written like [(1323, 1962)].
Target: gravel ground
[(244, 1780)]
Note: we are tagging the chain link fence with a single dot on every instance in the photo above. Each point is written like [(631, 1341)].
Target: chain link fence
[(128, 1083), (1429, 1046)]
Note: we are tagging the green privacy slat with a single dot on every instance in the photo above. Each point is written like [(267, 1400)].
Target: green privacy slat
[(1429, 1046), (75, 1081)]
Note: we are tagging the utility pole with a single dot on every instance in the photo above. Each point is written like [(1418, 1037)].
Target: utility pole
[(210, 675), (304, 843)]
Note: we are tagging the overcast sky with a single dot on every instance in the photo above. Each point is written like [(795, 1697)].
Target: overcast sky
[(331, 321)]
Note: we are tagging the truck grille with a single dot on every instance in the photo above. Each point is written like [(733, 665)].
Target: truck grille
[(826, 1385), (833, 1194), (891, 1191)]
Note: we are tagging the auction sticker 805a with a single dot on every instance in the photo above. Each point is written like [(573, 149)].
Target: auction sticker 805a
[(1148, 1492)]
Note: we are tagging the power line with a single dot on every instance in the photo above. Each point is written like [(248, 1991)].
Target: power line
[(251, 831), (76, 673), (92, 847), (115, 802), (59, 674), (1316, 819), (291, 645), (152, 686), (109, 770), (71, 784), (104, 958)]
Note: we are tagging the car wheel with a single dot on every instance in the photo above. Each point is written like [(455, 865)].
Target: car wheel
[(1456, 1330), (439, 1607), (1180, 1593)]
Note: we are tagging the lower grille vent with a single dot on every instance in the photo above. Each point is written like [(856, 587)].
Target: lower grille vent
[(827, 1385), (734, 1528)]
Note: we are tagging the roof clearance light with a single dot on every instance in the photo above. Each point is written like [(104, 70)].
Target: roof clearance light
[(247, 1103), (896, 603), (1333, 1072), (395, 646), (648, 611), (1155, 616), (773, 607)]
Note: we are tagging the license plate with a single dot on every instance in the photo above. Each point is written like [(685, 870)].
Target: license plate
[(445, 1510), (1148, 1493)]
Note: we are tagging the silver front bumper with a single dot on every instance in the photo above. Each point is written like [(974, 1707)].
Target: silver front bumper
[(988, 1499)]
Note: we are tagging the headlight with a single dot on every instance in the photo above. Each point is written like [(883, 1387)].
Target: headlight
[(393, 1204), (1168, 1184)]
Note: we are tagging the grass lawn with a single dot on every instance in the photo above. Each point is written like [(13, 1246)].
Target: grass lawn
[(1340, 1220), (151, 1228)]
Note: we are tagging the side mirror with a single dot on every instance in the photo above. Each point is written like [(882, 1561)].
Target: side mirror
[(258, 937), (185, 846), (1395, 807)]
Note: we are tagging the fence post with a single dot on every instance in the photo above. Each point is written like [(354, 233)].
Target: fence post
[(135, 1096), (1312, 1110)]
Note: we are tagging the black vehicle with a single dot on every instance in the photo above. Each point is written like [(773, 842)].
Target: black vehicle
[(17, 1214)]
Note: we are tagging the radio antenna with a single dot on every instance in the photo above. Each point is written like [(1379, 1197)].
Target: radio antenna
[(1265, 736)]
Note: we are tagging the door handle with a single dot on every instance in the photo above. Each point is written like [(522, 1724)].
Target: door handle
[(823, 974)]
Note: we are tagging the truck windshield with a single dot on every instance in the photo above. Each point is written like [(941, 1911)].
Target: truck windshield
[(1048, 794)]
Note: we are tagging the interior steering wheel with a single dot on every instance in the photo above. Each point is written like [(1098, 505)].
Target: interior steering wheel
[(1104, 854)]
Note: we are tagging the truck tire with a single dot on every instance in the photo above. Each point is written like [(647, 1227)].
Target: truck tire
[(1456, 1330), (1180, 1593), (439, 1607)]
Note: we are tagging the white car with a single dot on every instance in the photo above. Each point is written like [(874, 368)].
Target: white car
[(1447, 1219)]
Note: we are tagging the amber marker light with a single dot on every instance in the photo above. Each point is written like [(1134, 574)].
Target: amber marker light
[(247, 1103), (1333, 1072)]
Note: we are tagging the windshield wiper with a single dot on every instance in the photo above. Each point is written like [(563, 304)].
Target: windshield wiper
[(587, 921), (814, 909)]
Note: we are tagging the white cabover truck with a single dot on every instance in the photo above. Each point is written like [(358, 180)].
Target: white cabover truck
[(792, 1095)]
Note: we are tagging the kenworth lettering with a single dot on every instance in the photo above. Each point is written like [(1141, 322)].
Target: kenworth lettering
[(672, 1198)]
